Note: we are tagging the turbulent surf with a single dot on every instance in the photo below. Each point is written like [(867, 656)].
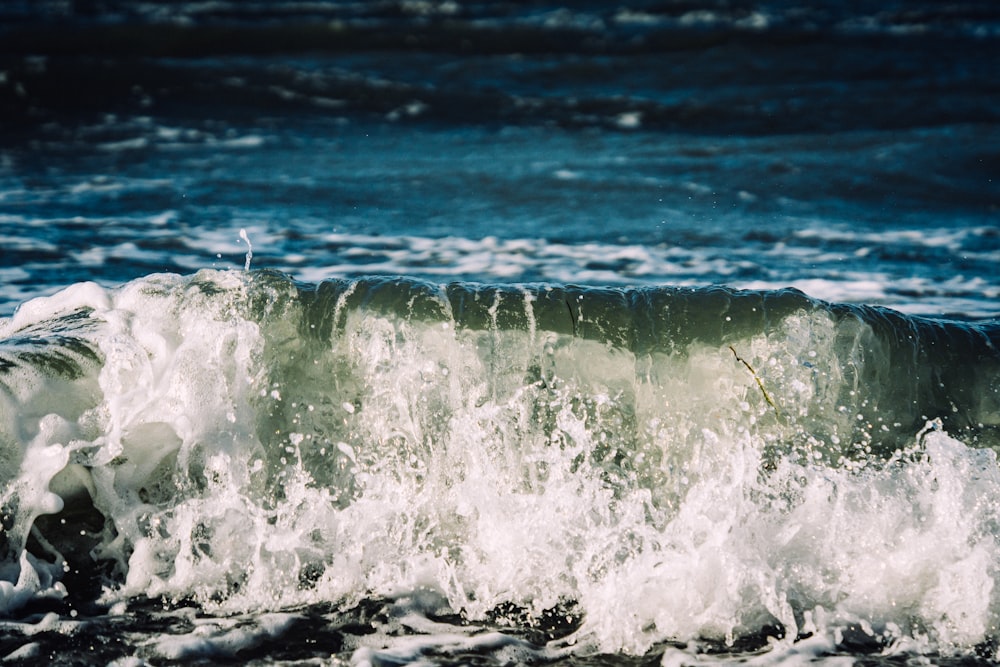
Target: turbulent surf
[(556, 470)]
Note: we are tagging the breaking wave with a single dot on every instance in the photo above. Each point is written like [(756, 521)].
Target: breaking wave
[(661, 463)]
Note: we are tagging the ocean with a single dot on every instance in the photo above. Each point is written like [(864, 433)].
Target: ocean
[(400, 332)]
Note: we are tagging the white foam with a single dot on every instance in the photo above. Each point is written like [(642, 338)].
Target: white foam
[(248, 469), (222, 637), (247, 141), (627, 16), (31, 582), (410, 650), (629, 120), (77, 296), (136, 143), (827, 261), (28, 651)]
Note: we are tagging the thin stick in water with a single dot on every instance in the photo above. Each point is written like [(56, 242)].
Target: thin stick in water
[(756, 377)]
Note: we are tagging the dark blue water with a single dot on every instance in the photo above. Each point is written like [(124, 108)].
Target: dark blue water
[(848, 150)]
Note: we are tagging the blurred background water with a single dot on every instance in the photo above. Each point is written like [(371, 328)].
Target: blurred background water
[(850, 150)]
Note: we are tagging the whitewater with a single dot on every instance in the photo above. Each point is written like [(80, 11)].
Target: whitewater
[(655, 469)]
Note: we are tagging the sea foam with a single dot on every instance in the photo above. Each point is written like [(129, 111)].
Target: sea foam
[(249, 444)]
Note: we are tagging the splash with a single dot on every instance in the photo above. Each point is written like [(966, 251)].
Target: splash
[(246, 239), (251, 444)]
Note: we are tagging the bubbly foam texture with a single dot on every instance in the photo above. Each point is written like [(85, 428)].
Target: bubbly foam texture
[(533, 260), (249, 453)]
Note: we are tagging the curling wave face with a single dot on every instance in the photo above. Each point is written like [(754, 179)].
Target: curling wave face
[(672, 463)]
